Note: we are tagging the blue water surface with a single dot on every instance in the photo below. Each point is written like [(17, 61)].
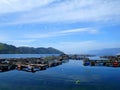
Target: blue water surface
[(25, 55), (71, 75)]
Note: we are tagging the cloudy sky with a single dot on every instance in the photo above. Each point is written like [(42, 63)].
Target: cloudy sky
[(72, 26)]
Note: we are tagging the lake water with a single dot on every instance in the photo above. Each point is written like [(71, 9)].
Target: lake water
[(71, 75), (25, 55)]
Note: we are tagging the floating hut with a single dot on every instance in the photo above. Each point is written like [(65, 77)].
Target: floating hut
[(32, 64), (95, 61), (113, 61)]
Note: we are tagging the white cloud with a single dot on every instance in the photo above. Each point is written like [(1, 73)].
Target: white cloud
[(88, 30), (65, 11), (61, 33), (58, 11), (83, 46), (8, 6)]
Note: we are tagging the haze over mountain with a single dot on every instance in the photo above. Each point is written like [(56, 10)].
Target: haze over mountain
[(10, 49), (106, 51)]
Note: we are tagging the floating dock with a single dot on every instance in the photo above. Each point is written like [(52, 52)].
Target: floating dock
[(112, 61), (31, 64)]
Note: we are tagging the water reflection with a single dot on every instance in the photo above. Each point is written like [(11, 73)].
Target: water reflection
[(72, 75)]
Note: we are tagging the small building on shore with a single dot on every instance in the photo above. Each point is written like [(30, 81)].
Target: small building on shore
[(118, 54)]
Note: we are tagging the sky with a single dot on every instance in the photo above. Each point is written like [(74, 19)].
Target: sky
[(72, 26)]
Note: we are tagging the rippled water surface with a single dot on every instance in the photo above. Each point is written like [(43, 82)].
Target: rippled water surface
[(71, 75)]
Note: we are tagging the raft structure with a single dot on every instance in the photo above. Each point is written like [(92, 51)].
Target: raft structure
[(42, 63), (32, 64), (110, 61), (80, 57), (37, 64)]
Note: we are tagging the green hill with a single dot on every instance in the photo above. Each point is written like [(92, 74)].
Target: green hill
[(10, 49)]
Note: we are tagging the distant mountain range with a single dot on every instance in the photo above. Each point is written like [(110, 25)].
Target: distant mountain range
[(10, 49), (106, 51)]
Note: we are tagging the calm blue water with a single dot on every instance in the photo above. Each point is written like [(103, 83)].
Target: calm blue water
[(25, 55), (68, 76)]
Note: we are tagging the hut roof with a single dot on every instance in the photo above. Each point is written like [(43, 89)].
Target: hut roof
[(97, 58), (118, 54)]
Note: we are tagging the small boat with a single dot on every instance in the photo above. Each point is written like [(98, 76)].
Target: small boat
[(115, 64), (86, 63)]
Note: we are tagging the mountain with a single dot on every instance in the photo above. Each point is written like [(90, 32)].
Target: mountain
[(10, 49), (106, 51)]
